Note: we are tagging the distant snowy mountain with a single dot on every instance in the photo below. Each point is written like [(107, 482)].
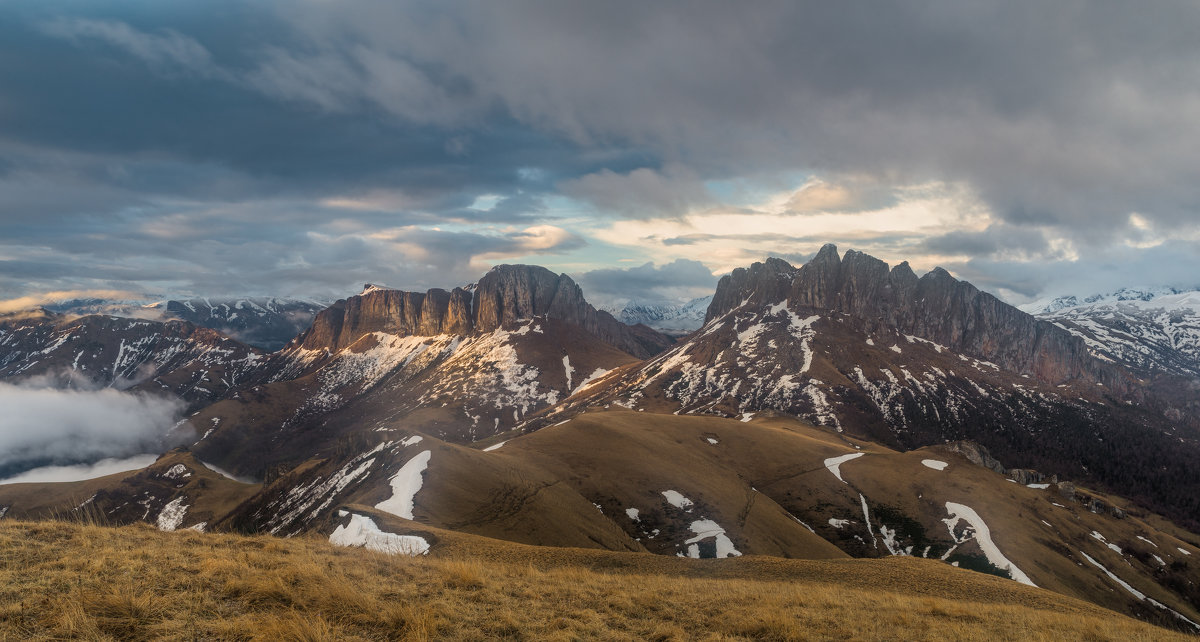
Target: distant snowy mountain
[(1151, 330), (263, 322), (671, 318), (1147, 294)]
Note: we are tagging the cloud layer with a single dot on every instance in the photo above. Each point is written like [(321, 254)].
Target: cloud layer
[(80, 472), (303, 147), (44, 426)]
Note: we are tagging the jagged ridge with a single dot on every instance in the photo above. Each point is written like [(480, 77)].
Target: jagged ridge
[(506, 294), (936, 307)]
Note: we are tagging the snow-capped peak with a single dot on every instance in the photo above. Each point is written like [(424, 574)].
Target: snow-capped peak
[(665, 316), (1161, 297)]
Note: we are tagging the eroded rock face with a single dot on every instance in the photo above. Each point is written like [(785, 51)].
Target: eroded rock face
[(936, 307), (1025, 476), (392, 311), (505, 295), (976, 454)]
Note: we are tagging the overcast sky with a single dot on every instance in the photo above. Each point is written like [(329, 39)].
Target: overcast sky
[(305, 147)]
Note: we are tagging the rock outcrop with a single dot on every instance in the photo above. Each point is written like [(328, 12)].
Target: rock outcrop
[(976, 454), (936, 307), (505, 295), (1026, 476)]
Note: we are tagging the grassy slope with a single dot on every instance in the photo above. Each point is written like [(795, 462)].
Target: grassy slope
[(67, 580), (632, 455)]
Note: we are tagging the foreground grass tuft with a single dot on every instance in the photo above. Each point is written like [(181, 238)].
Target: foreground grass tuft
[(61, 580)]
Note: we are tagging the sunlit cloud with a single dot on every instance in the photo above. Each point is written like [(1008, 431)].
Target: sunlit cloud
[(44, 298), (726, 237)]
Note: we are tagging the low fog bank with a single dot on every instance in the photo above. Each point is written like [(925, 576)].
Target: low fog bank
[(44, 426), (81, 472)]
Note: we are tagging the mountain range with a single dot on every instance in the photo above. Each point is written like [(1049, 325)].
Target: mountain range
[(263, 322), (1151, 331), (840, 408), (675, 319)]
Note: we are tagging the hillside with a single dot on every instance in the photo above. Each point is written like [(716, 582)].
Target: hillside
[(699, 487), (878, 353), (64, 580)]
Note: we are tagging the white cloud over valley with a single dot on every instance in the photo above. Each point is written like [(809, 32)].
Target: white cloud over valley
[(41, 426)]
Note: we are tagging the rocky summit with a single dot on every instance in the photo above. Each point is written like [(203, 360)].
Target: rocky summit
[(505, 295), (936, 307)]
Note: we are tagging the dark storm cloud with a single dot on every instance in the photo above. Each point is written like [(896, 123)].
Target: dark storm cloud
[(1056, 113), (679, 279), (642, 193), (265, 145), (996, 239), (1171, 264), (177, 106)]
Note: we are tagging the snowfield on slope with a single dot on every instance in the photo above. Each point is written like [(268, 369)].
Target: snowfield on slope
[(705, 529), (405, 484), (834, 464), (676, 499), (362, 531), (983, 537), (171, 516)]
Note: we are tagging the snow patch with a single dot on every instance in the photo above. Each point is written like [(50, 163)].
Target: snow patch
[(405, 484), (178, 471), (676, 499), (867, 519), (1097, 535), (705, 529), (171, 516), (1134, 592), (592, 378), (495, 446), (834, 464), (982, 536), (362, 531), (934, 464), (633, 514)]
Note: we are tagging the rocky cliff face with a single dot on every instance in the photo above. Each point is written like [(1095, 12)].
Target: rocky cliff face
[(392, 311), (505, 295), (936, 307)]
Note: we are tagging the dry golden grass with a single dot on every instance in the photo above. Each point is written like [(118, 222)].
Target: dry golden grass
[(71, 581)]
